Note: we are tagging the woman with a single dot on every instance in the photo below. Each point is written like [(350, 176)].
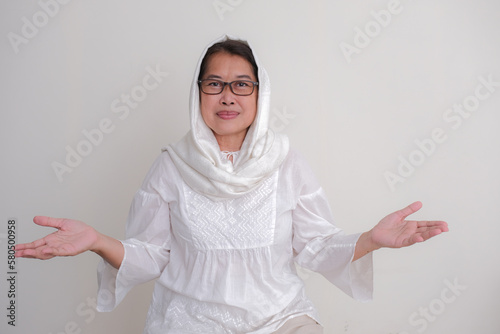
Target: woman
[(223, 215)]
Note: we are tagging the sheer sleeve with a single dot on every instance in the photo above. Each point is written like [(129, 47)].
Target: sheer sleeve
[(147, 243), (322, 247)]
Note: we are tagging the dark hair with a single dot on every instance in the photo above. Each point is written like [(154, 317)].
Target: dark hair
[(232, 47)]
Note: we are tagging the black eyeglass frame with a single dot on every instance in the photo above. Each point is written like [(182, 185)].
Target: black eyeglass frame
[(254, 83)]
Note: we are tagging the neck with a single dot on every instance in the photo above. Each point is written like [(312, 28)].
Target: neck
[(230, 143)]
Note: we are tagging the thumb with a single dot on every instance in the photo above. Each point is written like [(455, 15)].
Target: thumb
[(49, 221), (412, 208)]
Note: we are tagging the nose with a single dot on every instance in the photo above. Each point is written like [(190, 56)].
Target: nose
[(227, 96)]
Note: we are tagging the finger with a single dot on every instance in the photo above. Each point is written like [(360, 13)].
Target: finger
[(24, 253), (49, 221), (48, 251), (426, 232), (412, 208), (30, 245), (430, 233), (416, 238), (442, 225), (34, 254)]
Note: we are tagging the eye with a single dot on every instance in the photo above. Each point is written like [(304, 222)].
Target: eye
[(242, 84), (213, 83)]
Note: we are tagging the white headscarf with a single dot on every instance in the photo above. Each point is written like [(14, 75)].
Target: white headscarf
[(198, 158)]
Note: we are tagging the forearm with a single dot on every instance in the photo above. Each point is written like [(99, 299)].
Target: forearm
[(110, 249), (364, 246)]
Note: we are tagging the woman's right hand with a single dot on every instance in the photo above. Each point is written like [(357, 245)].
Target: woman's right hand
[(71, 238)]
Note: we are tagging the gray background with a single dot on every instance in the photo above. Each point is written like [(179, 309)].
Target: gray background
[(354, 116)]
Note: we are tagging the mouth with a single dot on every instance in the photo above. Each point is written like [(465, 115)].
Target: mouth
[(226, 115)]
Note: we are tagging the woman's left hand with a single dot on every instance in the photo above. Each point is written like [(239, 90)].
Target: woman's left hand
[(394, 231)]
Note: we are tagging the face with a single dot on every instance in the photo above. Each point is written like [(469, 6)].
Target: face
[(227, 114)]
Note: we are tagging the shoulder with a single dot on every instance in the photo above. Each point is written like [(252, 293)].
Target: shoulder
[(162, 176), (162, 165), (295, 162), (297, 172)]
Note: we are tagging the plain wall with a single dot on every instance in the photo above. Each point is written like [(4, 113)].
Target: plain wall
[(390, 102)]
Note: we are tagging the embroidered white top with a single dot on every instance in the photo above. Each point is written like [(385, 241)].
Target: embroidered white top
[(227, 266)]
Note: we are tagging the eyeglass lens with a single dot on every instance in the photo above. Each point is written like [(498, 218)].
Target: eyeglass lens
[(240, 87)]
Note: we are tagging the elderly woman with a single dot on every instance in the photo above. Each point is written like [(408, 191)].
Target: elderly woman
[(223, 216)]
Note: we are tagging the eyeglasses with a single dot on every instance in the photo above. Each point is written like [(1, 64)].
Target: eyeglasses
[(238, 87)]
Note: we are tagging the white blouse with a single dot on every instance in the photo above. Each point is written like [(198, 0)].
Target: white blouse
[(228, 266)]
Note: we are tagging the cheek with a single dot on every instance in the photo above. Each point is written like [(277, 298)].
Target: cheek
[(204, 114), (253, 105), (205, 106), (203, 102)]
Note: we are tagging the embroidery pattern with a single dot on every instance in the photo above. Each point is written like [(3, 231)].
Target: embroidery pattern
[(240, 223)]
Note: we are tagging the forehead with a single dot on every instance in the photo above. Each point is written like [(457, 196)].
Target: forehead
[(225, 65)]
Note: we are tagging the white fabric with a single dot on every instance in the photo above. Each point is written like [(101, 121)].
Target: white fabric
[(300, 325), (230, 156), (227, 266), (197, 155)]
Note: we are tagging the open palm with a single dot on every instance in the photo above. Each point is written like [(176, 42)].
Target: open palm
[(71, 238), (394, 231)]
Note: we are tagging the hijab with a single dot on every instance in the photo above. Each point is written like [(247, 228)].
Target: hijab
[(198, 158)]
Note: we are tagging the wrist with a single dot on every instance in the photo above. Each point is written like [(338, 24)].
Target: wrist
[(97, 245), (369, 245), (110, 249)]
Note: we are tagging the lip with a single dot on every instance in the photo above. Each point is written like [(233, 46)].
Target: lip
[(227, 114)]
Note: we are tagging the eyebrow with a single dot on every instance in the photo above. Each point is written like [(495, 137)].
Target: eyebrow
[(241, 76)]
